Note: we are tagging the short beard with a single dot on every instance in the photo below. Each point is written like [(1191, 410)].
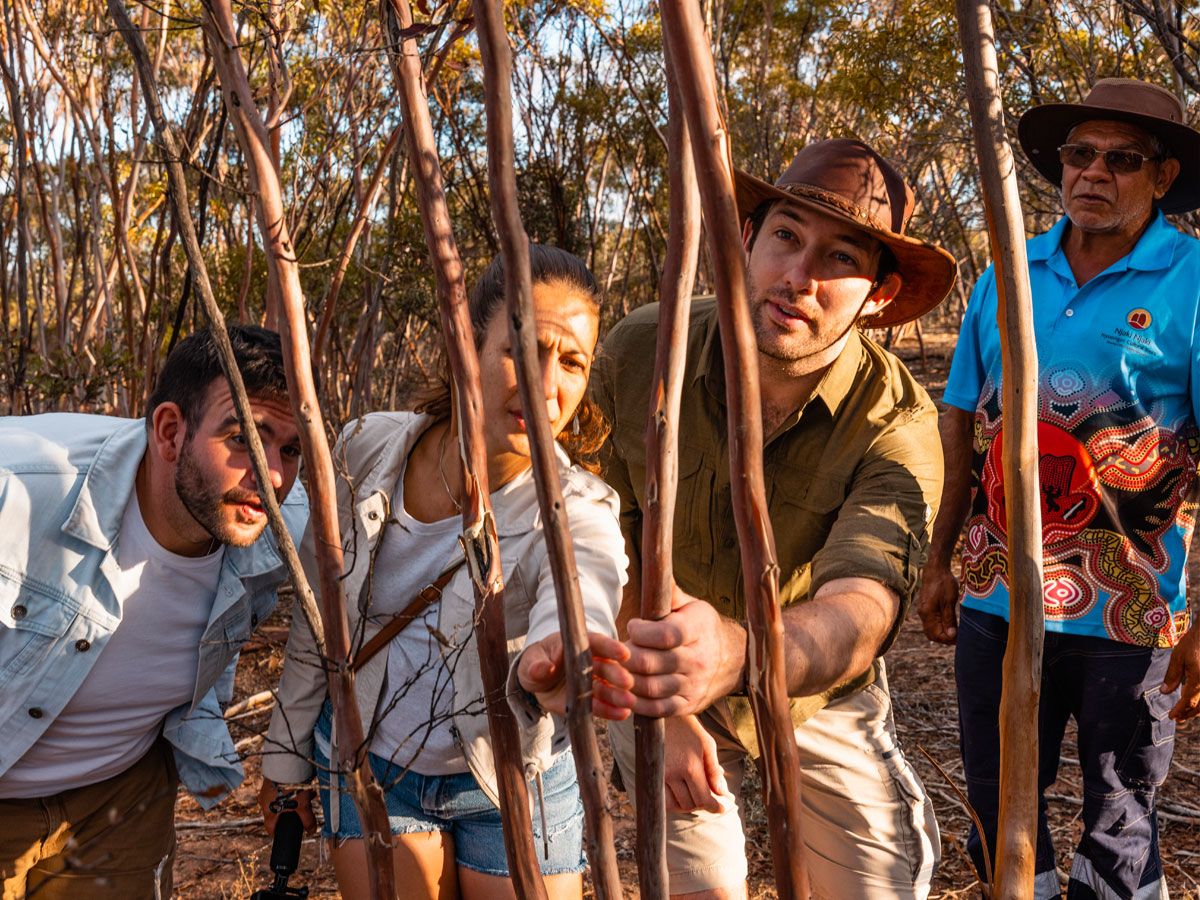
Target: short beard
[(203, 502), (790, 356)]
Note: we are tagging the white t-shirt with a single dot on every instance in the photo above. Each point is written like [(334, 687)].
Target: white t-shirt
[(146, 669), (415, 708)]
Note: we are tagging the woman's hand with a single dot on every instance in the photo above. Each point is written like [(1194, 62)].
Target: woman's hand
[(268, 792), (693, 777), (542, 672)]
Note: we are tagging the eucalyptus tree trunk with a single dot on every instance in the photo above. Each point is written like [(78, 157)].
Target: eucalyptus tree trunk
[(691, 56), (1016, 840), (514, 245)]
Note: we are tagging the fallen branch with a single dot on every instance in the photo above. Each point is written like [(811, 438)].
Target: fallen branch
[(251, 704)]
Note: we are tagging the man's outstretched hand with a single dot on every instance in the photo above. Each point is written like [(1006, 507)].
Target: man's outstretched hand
[(543, 673), (678, 665)]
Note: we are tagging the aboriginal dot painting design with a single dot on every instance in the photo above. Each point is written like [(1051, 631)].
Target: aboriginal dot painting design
[(1118, 503)]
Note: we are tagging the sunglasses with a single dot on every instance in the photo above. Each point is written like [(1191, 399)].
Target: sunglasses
[(1080, 156)]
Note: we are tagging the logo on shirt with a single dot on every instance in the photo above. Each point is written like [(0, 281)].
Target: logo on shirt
[(1139, 319)]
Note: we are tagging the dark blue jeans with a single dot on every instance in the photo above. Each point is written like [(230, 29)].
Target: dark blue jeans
[(1125, 746)]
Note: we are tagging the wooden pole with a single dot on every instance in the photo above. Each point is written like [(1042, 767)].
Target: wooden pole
[(1017, 832), (253, 137), (479, 532), (691, 55), (662, 473), (514, 245)]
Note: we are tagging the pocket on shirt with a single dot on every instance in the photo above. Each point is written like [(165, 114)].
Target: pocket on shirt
[(31, 623), (693, 527)]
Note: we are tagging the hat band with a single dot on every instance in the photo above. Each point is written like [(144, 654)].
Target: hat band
[(840, 203)]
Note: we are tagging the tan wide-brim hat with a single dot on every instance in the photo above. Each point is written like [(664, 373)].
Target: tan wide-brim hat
[(1043, 129), (848, 180)]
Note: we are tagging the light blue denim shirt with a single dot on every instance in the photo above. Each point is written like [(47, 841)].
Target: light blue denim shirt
[(64, 482)]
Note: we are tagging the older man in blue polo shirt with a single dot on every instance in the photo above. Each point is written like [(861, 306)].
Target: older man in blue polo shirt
[(1116, 302)]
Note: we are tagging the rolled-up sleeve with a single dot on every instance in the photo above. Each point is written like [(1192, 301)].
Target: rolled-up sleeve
[(882, 529)]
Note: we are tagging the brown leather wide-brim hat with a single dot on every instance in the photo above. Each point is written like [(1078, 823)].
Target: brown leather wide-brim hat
[(1043, 129), (848, 180)]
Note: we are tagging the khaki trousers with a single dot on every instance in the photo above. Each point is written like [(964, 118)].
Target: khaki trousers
[(113, 840), (869, 828)]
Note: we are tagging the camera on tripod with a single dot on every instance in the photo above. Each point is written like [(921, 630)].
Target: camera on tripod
[(285, 856)]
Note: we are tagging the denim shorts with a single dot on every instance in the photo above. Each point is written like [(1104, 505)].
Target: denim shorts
[(457, 805)]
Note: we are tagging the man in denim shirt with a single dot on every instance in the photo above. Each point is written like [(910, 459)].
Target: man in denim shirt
[(132, 567), (1116, 310)]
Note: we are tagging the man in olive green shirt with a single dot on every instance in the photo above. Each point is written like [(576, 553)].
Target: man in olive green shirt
[(853, 472)]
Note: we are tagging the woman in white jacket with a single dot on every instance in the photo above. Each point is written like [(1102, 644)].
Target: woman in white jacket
[(421, 696)]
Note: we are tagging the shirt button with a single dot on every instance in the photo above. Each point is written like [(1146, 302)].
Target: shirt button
[(254, 620), (1069, 313), (730, 542), (83, 646), (35, 712), (18, 611)]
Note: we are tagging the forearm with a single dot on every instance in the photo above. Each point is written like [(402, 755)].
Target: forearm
[(835, 636), (827, 641), (956, 428)]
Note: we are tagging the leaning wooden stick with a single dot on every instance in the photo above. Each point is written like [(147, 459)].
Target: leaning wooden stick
[(1017, 834), (268, 202), (514, 246), (181, 208), (479, 532), (662, 474), (691, 55)]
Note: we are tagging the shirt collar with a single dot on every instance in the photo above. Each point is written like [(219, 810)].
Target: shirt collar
[(514, 510), (1154, 250), (109, 479)]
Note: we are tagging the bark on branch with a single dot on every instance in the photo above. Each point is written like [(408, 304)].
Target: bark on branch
[(254, 139), (514, 245), (479, 538), (1017, 833), (691, 56), (662, 473)]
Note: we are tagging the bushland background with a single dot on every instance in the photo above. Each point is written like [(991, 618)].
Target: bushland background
[(93, 283)]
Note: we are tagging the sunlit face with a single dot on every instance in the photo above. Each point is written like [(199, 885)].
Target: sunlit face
[(567, 328), (213, 476), (1100, 201), (810, 277)]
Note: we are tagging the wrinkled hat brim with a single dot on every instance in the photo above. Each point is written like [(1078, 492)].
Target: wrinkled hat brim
[(927, 271), (1043, 129)]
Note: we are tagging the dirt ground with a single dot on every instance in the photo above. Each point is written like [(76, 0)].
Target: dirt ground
[(224, 853)]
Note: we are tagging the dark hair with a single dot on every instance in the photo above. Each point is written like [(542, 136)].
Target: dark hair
[(887, 259), (194, 365), (586, 432)]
